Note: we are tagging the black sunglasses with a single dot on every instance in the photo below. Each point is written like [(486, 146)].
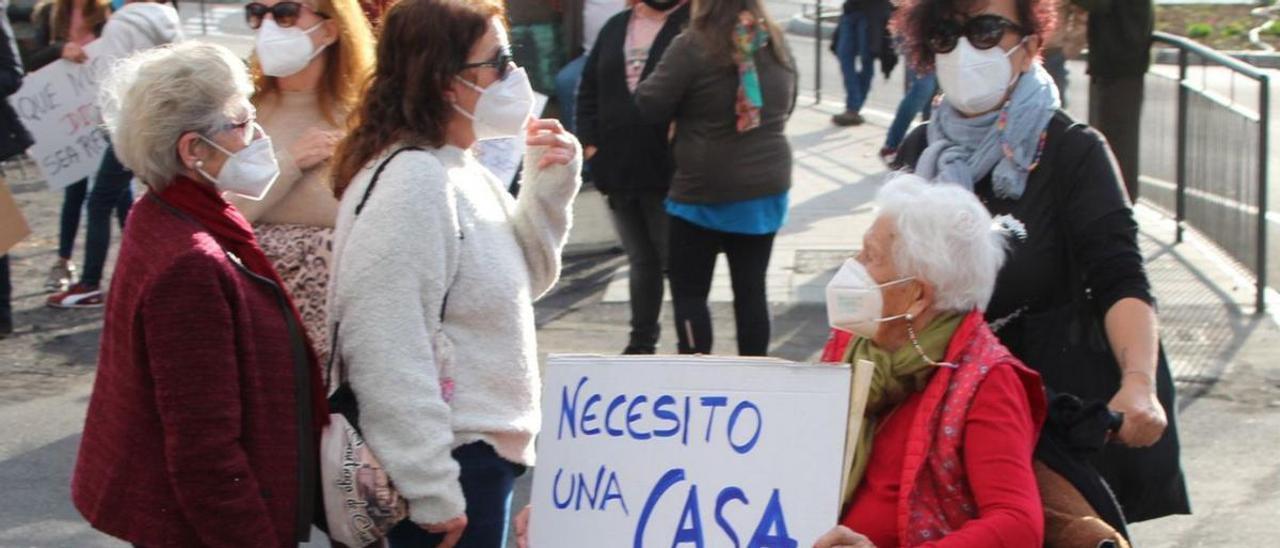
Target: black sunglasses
[(984, 32), (502, 62), (285, 14)]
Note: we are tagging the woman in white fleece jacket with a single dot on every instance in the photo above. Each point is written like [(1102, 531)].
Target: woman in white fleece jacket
[(437, 267)]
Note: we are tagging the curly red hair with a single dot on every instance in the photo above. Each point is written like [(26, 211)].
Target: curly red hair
[(914, 20)]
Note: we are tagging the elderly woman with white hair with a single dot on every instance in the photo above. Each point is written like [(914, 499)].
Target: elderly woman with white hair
[(944, 454), (202, 425)]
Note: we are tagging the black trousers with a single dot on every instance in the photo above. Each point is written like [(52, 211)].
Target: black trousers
[(110, 193), (1115, 109), (692, 262), (73, 199), (6, 289), (643, 225)]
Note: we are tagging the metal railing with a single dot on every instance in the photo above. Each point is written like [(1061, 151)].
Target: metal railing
[(1220, 153)]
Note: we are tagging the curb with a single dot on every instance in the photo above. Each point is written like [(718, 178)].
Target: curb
[(1260, 59), (804, 26)]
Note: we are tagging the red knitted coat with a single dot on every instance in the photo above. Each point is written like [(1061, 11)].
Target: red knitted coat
[(191, 436)]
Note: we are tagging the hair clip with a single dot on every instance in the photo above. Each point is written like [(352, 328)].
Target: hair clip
[(1009, 226)]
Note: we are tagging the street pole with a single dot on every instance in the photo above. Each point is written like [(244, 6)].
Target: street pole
[(817, 53), (204, 20), (1264, 127)]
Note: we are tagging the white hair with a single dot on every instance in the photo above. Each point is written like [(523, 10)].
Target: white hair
[(154, 97), (944, 236)]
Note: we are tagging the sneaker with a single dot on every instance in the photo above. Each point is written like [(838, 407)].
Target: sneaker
[(888, 155), (847, 118), (60, 276), (78, 296)]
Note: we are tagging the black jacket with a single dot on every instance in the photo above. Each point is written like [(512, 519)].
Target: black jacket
[(632, 155), (1119, 36), (1076, 212), (14, 138)]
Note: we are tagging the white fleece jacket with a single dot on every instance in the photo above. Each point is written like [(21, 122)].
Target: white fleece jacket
[(140, 25), (438, 222)]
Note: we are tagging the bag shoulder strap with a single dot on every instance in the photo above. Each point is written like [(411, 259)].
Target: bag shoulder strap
[(444, 302), (368, 191)]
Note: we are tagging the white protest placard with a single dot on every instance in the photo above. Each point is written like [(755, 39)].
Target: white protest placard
[(688, 451), (59, 106), (503, 156)]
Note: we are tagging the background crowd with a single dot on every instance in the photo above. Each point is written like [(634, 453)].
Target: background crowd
[(316, 232)]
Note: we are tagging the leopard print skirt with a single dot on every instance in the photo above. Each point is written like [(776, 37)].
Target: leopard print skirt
[(301, 255)]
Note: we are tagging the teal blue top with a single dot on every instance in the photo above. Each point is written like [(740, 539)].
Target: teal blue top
[(758, 216)]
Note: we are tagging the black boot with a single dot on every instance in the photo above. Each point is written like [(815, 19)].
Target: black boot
[(638, 350)]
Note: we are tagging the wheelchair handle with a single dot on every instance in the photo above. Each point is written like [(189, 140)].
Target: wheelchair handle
[(1117, 420)]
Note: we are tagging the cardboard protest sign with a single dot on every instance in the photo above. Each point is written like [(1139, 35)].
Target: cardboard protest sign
[(13, 226), (58, 105), (688, 451)]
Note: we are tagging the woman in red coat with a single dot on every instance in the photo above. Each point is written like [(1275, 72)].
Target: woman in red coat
[(944, 451), (202, 425)]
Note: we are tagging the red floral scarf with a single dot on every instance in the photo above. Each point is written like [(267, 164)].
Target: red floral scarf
[(937, 495)]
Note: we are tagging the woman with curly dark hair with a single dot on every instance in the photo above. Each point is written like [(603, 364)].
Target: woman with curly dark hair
[(436, 267), (1073, 301)]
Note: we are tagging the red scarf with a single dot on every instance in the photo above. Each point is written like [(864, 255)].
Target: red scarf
[(234, 233)]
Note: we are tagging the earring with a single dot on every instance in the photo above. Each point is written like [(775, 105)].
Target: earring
[(199, 164)]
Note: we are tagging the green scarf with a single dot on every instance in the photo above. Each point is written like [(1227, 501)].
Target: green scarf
[(749, 35), (897, 376)]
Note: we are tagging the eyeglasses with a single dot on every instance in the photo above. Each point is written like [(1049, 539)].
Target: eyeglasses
[(984, 32), (247, 129), (501, 61), (285, 14)]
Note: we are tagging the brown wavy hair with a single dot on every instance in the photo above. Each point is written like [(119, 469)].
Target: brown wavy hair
[(349, 61), (95, 14), (712, 22), (914, 20), (422, 47)]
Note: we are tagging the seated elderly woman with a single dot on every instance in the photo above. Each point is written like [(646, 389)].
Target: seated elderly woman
[(202, 425), (944, 453)]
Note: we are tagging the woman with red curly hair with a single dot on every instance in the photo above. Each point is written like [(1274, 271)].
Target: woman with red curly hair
[(1073, 301)]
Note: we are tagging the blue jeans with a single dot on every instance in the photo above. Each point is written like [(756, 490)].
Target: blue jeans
[(857, 64), (110, 192), (487, 481), (567, 81), (917, 99)]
